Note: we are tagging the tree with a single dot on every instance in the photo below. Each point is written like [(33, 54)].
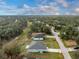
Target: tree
[(12, 53)]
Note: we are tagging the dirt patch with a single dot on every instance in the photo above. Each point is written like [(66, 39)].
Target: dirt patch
[(70, 43)]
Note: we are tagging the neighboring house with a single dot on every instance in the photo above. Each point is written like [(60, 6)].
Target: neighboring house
[(38, 36), (37, 46)]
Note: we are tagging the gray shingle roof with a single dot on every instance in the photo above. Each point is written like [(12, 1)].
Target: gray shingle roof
[(37, 45), (39, 36)]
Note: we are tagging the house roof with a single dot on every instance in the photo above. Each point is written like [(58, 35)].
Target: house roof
[(37, 45), (39, 35)]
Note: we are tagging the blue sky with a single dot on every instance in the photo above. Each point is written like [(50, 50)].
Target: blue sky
[(39, 7)]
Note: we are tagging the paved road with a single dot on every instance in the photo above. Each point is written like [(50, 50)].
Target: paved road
[(62, 47)]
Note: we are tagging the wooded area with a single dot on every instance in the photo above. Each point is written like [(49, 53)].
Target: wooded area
[(10, 27)]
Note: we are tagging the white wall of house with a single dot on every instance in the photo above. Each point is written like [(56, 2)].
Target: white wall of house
[(37, 38)]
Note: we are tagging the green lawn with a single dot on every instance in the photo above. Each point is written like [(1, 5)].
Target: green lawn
[(51, 43), (46, 55), (64, 43), (72, 55), (75, 54)]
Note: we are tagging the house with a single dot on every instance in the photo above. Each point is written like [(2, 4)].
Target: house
[(37, 46), (38, 36)]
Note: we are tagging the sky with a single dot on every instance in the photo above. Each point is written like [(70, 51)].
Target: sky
[(39, 7)]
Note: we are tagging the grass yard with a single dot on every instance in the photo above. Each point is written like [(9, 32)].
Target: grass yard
[(51, 43), (46, 55), (75, 54), (72, 55)]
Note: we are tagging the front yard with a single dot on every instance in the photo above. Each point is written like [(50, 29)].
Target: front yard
[(45, 55), (72, 55), (51, 43), (75, 54)]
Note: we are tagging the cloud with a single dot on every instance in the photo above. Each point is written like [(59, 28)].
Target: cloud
[(63, 2), (46, 8), (77, 10), (42, 9), (26, 9)]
